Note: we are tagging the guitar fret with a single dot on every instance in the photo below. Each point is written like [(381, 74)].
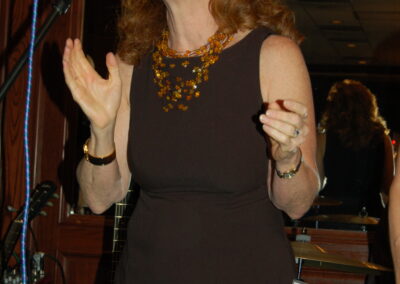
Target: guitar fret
[(116, 218), (122, 213), (122, 223), (121, 209), (117, 248), (115, 262), (126, 216), (123, 204)]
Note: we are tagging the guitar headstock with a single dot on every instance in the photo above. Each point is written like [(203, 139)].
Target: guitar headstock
[(39, 199)]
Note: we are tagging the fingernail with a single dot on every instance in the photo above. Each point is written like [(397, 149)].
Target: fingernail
[(269, 112), (262, 118)]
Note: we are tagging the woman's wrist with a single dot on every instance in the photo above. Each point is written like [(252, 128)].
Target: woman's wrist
[(101, 142), (290, 162)]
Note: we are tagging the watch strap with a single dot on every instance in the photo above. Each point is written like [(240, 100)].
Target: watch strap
[(98, 161)]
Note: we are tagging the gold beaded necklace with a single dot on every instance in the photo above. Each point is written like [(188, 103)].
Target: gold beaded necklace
[(174, 97)]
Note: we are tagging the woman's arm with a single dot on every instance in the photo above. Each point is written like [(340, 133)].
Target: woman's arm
[(106, 103), (394, 219), (388, 170), (286, 87), (321, 145)]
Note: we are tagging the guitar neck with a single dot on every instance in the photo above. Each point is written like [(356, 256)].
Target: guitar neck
[(123, 211), (11, 239)]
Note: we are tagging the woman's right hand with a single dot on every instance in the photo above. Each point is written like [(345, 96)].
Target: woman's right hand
[(99, 98)]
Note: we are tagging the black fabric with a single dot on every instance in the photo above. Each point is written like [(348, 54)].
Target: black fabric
[(203, 215), (354, 176)]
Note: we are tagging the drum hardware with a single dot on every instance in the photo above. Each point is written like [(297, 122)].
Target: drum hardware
[(39, 199), (326, 201), (301, 238), (321, 200), (296, 281), (299, 262), (344, 218), (36, 271), (363, 213), (315, 256)]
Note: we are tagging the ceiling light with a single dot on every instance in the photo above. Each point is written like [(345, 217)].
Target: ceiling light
[(351, 45), (362, 62), (336, 22)]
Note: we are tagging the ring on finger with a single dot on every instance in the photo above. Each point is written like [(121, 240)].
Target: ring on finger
[(296, 132)]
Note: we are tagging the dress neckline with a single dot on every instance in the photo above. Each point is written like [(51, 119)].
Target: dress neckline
[(228, 50)]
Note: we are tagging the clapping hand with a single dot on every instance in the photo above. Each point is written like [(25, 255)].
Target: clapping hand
[(99, 98)]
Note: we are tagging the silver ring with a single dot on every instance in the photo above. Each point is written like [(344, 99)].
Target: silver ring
[(296, 132)]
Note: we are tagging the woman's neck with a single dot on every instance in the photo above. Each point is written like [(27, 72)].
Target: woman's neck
[(190, 23)]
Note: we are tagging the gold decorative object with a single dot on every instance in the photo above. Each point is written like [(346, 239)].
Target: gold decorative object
[(173, 93)]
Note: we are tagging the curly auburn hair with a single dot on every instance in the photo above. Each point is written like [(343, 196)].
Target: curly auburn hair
[(353, 114), (142, 21)]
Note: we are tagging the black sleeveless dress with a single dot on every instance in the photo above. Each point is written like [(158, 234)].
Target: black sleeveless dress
[(354, 176), (203, 215)]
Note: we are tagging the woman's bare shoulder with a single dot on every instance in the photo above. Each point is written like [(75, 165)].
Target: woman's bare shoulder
[(284, 73), (277, 49)]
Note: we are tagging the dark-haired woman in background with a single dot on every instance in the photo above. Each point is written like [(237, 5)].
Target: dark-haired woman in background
[(190, 128), (355, 151), (355, 155)]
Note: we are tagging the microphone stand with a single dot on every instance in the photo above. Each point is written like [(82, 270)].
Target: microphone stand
[(60, 7)]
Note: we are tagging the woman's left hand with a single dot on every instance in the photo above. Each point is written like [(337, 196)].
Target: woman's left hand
[(284, 123)]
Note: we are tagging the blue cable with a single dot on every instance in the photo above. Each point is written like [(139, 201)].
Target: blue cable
[(26, 143)]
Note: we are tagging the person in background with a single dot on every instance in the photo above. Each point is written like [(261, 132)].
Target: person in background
[(183, 113), (355, 154)]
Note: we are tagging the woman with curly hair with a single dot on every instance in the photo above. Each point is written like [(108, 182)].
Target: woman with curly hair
[(215, 122), (358, 154)]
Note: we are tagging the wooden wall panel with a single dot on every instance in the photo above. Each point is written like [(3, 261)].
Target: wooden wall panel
[(4, 19), (81, 243), (77, 268), (4, 8), (13, 114)]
